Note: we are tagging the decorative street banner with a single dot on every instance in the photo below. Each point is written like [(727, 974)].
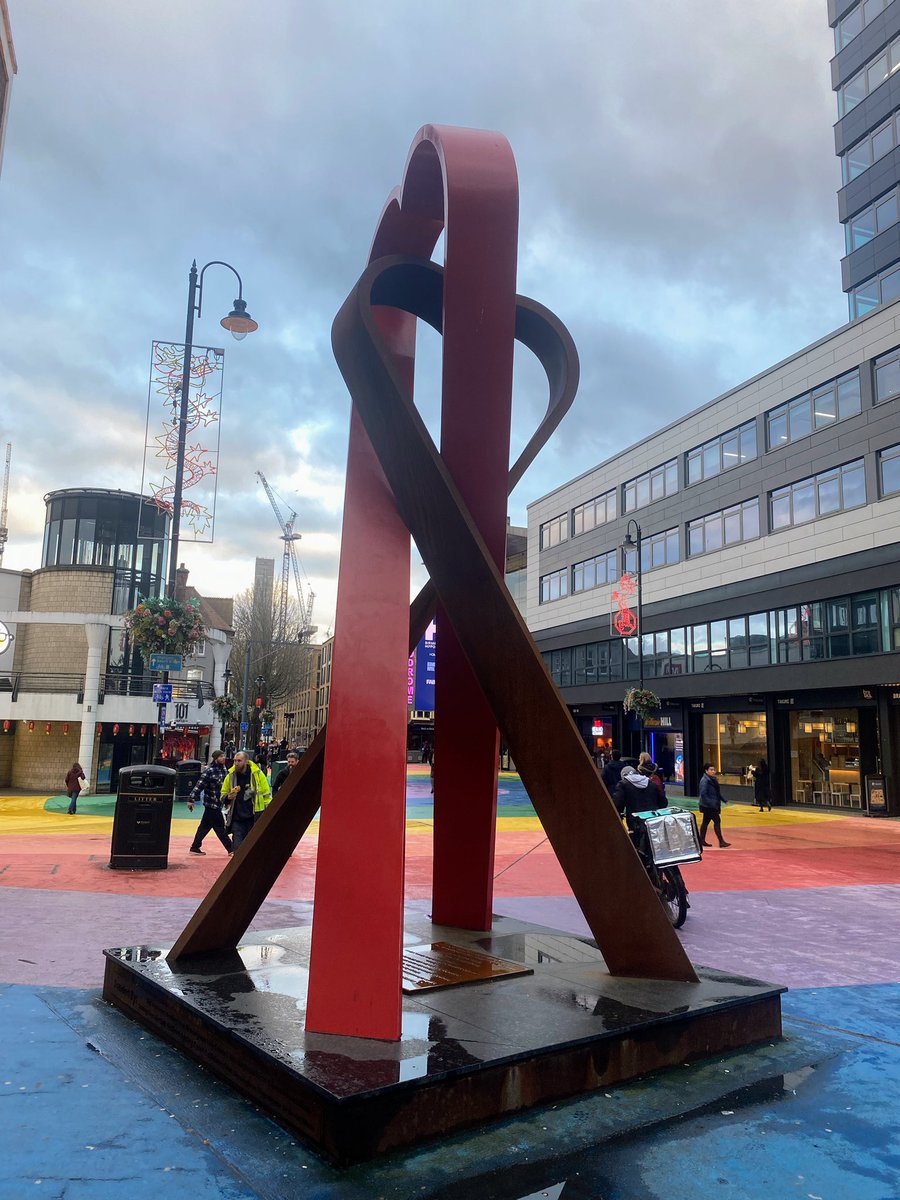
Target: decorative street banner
[(201, 446), (425, 660), (624, 621)]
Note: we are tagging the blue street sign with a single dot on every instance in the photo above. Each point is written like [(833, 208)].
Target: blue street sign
[(166, 662), (245, 725), (162, 693), (267, 728)]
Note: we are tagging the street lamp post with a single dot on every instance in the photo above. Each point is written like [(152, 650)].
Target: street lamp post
[(226, 676), (239, 323), (633, 545), (260, 683)]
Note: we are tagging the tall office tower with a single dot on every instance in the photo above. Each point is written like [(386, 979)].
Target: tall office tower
[(865, 76), (7, 70)]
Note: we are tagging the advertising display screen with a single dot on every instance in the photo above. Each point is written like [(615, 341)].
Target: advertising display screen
[(425, 664)]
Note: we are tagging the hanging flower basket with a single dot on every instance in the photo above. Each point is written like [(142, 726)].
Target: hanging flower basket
[(641, 701), (159, 625), (267, 716), (226, 708)]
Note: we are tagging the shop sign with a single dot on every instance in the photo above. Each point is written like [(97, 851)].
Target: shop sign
[(785, 701), (5, 638), (598, 729), (657, 722), (697, 704)]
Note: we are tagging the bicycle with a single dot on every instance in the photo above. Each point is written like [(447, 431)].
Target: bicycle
[(664, 838)]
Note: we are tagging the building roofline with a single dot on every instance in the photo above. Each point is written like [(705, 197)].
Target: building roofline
[(9, 37), (879, 311)]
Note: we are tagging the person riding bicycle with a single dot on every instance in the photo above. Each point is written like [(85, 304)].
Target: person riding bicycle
[(637, 791)]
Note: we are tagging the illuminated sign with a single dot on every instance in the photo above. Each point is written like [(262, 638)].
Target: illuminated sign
[(625, 622), (410, 680), (425, 667), (598, 729)]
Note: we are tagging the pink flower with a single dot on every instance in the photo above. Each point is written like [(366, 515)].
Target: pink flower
[(160, 620)]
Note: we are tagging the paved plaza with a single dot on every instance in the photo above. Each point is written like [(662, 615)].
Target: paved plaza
[(96, 1107)]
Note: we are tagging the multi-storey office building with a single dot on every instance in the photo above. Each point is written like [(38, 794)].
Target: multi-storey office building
[(770, 522), (7, 71), (864, 74)]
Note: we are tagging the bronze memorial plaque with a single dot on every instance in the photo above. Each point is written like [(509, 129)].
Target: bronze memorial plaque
[(443, 965)]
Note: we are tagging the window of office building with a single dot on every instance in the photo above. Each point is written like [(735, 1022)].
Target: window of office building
[(869, 149), (722, 453), (880, 289), (737, 523), (825, 757), (887, 376), (845, 626), (865, 81), (657, 550), (889, 471), (596, 512), (819, 495), (819, 409), (555, 585), (873, 220), (594, 572), (652, 485), (733, 743), (555, 531), (855, 21)]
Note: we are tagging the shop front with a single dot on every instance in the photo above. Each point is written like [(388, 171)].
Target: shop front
[(832, 751)]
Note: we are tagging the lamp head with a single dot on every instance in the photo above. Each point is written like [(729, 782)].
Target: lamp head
[(239, 322), (629, 542)]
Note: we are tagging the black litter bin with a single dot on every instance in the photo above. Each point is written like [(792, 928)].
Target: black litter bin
[(143, 819), (187, 772)]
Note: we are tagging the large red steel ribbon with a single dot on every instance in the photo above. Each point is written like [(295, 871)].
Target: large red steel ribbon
[(464, 182)]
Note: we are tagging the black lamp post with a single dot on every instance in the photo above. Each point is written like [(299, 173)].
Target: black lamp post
[(260, 684), (239, 323), (226, 676), (632, 545)]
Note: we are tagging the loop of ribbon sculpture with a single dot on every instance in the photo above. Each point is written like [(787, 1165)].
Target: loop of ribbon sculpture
[(490, 673)]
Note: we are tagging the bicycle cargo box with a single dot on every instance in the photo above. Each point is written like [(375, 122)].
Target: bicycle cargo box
[(673, 838)]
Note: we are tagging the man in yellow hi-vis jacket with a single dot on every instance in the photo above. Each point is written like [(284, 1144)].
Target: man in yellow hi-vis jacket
[(245, 790)]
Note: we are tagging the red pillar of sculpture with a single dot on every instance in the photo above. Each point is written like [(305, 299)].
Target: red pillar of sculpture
[(464, 180)]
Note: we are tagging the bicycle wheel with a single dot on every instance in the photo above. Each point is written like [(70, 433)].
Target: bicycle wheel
[(673, 894)]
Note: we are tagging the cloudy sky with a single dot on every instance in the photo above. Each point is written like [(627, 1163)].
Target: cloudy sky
[(678, 212)]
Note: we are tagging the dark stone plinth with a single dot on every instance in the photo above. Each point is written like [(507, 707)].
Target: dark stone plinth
[(468, 1054)]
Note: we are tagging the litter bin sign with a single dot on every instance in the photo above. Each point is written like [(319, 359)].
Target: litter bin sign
[(143, 819), (187, 773), (876, 796)]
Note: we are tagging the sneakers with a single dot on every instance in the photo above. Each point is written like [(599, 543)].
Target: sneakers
[(196, 851)]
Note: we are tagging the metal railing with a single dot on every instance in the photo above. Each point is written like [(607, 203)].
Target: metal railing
[(113, 684), (42, 681)]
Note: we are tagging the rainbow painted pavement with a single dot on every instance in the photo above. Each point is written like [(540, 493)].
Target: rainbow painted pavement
[(805, 898)]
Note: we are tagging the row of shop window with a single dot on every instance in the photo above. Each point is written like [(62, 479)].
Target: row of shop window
[(820, 408), (867, 623)]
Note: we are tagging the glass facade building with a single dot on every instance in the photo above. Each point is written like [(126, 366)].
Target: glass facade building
[(94, 527), (865, 75)]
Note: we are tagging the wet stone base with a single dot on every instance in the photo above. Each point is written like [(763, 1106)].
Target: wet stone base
[(468, 1054)]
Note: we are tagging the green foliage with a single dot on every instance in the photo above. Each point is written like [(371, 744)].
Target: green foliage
[(158, 625), (641, 701)]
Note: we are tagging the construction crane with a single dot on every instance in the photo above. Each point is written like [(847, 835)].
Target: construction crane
[(4, 516), (288, 564)]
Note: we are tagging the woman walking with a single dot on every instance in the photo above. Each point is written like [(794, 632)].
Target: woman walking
[(73, 787), (762, 789)]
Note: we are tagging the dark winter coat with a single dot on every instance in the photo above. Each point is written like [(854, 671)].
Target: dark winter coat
[(710, 794), (611, 774)]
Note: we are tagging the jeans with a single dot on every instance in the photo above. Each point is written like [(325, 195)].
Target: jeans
[(73, 798), (212, 819), (240, 827), (716, 818)]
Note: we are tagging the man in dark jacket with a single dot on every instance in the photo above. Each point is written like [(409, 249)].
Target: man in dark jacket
[(612, 772), (208, 789), (711, 805), (293, 757)]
